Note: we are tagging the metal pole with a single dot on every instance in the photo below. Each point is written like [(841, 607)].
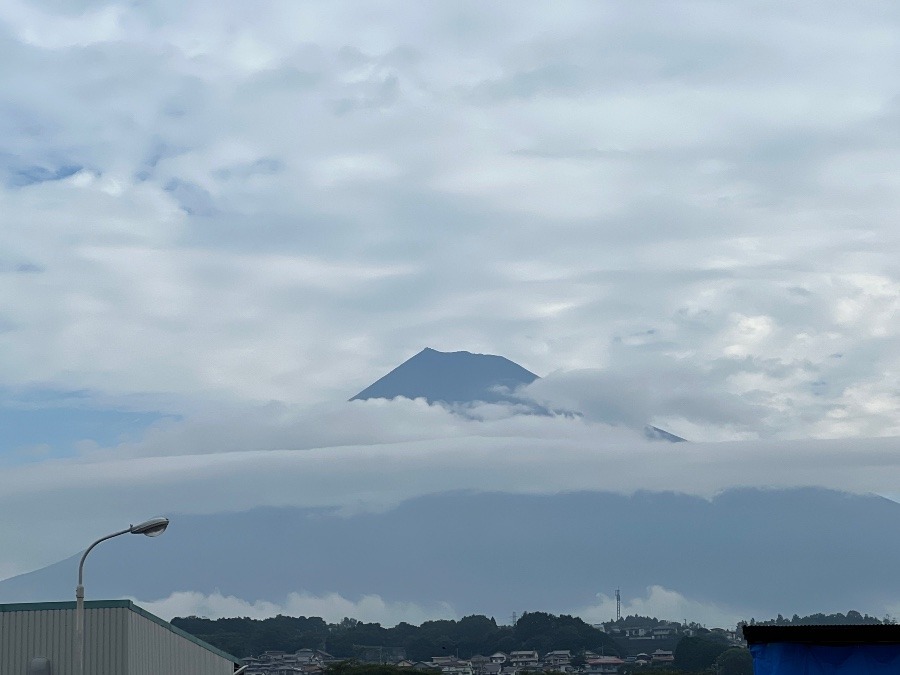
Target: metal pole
[(79, 605), (79, 629)]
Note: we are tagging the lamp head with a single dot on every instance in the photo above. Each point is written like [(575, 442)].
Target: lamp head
[(152, 528)]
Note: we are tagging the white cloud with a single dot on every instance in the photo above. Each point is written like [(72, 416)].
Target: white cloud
[(332, 607), (545, 185), (657, 601), (50, 30), (662, 603), (687, 216)]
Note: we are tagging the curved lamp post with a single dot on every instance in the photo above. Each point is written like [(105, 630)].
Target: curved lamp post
[(151, 528)]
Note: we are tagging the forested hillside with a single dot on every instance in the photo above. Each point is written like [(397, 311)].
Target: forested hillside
[(470, 635)]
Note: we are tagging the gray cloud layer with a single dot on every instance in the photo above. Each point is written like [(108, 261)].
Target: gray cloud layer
[(410, 449), (285, 203)]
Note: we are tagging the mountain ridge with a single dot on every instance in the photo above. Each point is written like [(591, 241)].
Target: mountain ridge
[(564, 548)]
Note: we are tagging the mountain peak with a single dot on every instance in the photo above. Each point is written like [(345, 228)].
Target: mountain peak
[(450, 377), (464, 377)]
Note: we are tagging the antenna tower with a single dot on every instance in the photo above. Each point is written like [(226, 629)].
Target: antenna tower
[(618, 605)]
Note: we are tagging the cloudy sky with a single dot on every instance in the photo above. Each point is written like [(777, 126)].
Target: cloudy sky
[(220, 220)]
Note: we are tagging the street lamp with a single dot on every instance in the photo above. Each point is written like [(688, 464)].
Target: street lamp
[(151, 528)]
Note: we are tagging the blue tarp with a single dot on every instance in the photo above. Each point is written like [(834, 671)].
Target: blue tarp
[(787, 658)]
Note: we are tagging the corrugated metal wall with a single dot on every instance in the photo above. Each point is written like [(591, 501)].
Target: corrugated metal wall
[(154, 649), (50, 632), (118, 641), (105, 640), (24, 635)]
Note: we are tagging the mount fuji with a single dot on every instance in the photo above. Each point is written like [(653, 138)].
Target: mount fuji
[(744, 550), (463, 378)]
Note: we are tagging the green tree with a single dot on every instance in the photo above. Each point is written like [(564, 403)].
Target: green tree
[(735, 661), (698, 653)]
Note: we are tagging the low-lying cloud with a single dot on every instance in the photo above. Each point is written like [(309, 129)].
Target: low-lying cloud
[(332, 607), (657, 601), (399, 450), (662, 603)]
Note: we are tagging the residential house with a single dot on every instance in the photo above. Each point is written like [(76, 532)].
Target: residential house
[(638, 632), (662, 657), (457, 667), (478, 662), (557, 659), (443, 660), (664, 632), (602, 665), (524, 659)]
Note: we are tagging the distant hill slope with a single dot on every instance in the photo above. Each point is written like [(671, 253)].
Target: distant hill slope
[(450, 377), (787, 551)]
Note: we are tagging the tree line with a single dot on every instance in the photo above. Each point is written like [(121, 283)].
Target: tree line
[(850, 618), (352, 639)]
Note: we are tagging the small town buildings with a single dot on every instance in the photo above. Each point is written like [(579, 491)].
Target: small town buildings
[(120, 638), (301, 662), (499, 657)]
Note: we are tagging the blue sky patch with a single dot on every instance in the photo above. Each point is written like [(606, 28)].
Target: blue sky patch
[(30, 175), (32, 433)]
